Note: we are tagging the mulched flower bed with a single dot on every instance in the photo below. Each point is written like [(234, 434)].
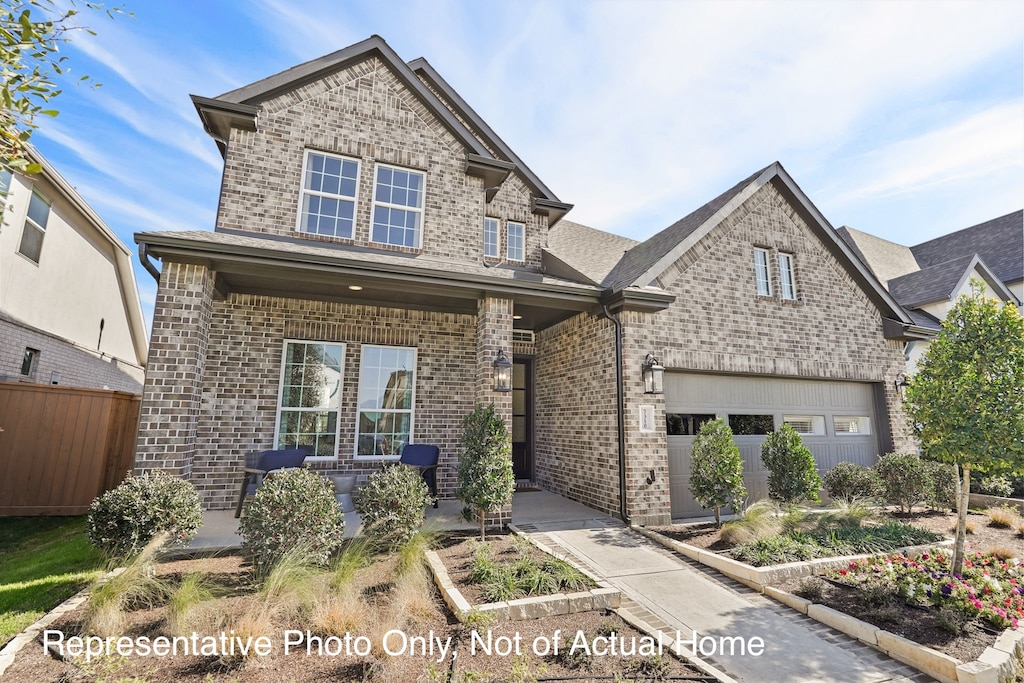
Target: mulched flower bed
[(236, 588)]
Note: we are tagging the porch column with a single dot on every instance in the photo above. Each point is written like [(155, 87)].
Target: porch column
[(174, 372), (493, 334)]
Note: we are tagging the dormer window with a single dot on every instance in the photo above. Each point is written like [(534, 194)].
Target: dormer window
[(397, 207), (328, 195)]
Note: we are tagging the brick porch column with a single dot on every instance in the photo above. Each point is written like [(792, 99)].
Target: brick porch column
[(174, 372), (493, 334)]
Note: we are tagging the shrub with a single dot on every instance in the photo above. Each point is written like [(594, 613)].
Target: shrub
[(123, 520), (943, 479), (1004, 517), (293, 509), (716, 477), (486, 480), (757, 521), (393, 505), (110, 599), (848, 481), (905, 480), (792, 476), (996, 486)]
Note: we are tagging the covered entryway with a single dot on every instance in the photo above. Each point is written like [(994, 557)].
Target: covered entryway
[(836, 419)]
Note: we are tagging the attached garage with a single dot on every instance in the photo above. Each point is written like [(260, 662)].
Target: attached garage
[(838, 420)]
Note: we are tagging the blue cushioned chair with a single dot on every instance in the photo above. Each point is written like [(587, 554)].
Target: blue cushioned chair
[(265, 462), (424, 458)]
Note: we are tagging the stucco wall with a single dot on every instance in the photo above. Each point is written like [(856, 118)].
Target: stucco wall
[(364, 112)]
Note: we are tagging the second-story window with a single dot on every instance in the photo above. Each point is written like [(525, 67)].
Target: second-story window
[(516, 241), (397, 207), (35, 226), (786, 280), (492, 238), (764, 283), (328, 195)]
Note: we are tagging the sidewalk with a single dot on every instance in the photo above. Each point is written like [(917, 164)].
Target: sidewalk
[(671, 593)]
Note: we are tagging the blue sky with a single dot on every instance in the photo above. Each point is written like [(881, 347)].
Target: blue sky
[(902, 119)]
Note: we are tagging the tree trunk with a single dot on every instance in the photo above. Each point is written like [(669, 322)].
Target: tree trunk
[(483, 521), (718, 517), (962, 501)]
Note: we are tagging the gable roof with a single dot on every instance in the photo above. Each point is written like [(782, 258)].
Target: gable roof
[(941, 281), (239, 108), (644, 263), (999, 242), (887, 260), (584, 253)]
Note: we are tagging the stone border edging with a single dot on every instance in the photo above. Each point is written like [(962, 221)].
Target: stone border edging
[(29, 634), (605, 596), (997, 664), (981, 500)]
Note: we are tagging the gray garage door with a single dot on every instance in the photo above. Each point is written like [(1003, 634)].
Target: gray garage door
[(836, 419)]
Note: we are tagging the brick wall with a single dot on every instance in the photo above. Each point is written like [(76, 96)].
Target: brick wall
[(78, 367), (366, 113), (243, 372), (576, 428)]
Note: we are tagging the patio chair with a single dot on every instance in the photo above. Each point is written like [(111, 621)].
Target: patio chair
[(424, 458), (266, 461)]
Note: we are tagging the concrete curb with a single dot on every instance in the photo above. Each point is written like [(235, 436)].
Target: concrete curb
[(29, 634), (604, 596)]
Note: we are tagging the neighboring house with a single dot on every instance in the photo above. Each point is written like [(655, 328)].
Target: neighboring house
[(927, 279), (69, 306), (378, 247)]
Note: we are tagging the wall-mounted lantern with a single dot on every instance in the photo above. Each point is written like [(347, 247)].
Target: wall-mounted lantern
[(502, 373), (901, 385), (654, 375)]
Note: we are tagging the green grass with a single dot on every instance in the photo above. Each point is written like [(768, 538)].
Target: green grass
[(43, 561)]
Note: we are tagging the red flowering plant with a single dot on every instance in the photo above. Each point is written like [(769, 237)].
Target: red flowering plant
[(990, 588)]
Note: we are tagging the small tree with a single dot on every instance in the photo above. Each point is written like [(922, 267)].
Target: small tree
[(716, 477), (966, 402), (906, 480), (486, 481), (792, 475)]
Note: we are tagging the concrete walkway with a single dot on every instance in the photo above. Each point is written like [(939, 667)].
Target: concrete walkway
[(671, 593)]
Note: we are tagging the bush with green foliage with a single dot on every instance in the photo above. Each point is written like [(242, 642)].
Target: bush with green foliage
[(998, 485), (716, 476), (123, 520), (486, 480), (942, 481), (293, 509), (905, 480), (848, 481), (792, 475), (393, 504)]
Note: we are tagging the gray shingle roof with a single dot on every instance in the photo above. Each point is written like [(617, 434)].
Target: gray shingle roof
[(924, 319), (593, 253), (999, 242), (887, 260), (930, 284), (643, 256)]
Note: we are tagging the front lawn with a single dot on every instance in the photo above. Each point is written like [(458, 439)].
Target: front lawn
[(43, 561)]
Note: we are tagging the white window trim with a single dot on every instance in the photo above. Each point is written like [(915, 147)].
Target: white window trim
[(787, 276), (863, 420), (508, 240), (31, 224), (817, 423), (412, 410), (419, 209), (280, 393), (497, 237), (303, 192), (767, 272)]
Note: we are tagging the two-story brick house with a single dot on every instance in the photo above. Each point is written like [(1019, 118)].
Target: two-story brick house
[(378, 247)]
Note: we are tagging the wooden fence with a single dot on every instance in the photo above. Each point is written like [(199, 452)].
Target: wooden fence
[(60, 447)]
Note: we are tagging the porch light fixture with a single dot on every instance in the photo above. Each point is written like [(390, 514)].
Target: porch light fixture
[(654, 375), (901, 385), (502, 372)]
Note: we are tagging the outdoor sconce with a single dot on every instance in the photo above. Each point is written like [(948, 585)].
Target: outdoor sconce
[(502, 373), (654, 375), (901, 385)]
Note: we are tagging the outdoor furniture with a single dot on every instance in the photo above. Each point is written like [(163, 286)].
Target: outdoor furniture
[(265, 462), (424, 458)]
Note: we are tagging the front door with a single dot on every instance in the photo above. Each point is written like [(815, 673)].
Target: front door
[(522, 419)]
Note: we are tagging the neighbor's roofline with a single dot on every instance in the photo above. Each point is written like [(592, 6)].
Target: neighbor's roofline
[(987, 275)]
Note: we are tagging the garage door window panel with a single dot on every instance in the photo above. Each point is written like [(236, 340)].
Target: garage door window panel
[(849, 425), (806, 425), (685, 424), (751, 425)]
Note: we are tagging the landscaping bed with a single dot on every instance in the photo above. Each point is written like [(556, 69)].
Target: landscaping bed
[(366, 596)]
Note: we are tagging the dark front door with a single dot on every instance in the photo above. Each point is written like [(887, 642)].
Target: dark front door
[(522, 418)]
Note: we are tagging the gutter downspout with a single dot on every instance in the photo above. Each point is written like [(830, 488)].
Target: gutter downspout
[(146, 263), (620, 417)]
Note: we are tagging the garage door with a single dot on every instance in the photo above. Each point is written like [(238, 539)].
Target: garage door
[(837, 421)]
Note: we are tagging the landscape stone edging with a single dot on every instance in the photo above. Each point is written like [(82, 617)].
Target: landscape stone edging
[(19, 641), (979, 500), (997, 664), (604, 596)]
